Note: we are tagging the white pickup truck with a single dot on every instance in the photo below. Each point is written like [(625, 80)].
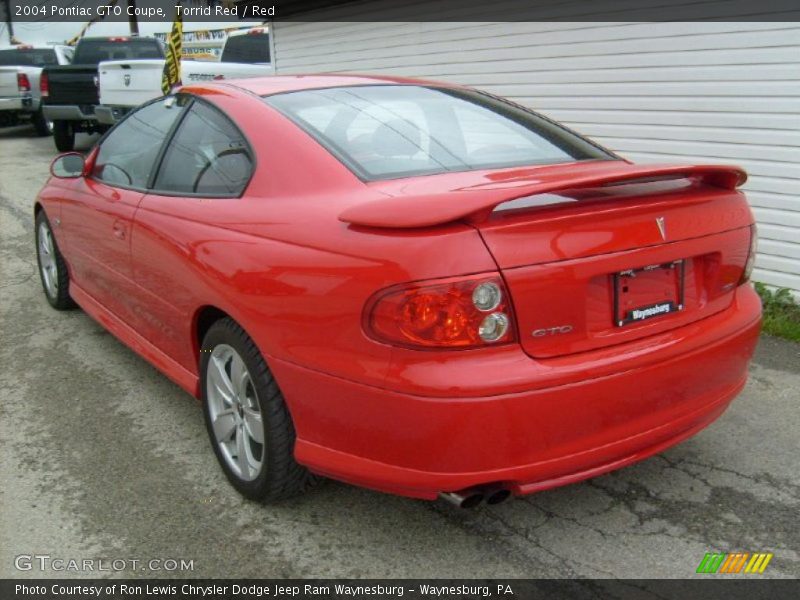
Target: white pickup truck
[(20, 71), (125, 84)]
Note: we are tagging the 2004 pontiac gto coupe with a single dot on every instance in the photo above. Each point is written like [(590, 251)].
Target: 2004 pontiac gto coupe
[(415, 287)]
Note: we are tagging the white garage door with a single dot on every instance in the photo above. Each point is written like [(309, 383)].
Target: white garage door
[(718, 92)]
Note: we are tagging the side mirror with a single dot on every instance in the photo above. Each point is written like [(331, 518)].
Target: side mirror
[(68, 166)]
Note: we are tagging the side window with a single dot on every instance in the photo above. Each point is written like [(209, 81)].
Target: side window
[(206, 156), (128, 154)]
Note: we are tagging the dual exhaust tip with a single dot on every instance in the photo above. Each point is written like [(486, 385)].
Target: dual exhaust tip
[(472, 497)]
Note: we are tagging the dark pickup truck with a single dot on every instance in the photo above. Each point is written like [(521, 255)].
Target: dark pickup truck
[(70, 92)]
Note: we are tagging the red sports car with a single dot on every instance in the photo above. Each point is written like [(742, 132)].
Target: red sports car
[(410, 286)]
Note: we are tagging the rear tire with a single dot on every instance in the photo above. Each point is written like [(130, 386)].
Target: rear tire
[(52, 268), (64, 136), (248, 422), (41, 123)]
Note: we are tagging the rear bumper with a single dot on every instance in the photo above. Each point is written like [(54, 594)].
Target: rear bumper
[(16, 103), (417, 445), (58, 112), (109, 115)]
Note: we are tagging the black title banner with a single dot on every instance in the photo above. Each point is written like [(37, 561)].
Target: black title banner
[(145, 11), (407, 11), (317, 589)]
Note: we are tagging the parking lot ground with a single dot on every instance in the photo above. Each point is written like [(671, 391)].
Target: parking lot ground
[(103, 457)]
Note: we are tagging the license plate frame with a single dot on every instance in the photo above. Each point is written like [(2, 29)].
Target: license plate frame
[(623, 315)]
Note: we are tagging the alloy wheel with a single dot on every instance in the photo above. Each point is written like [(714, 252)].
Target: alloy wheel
[(47, 260), (235, 412)]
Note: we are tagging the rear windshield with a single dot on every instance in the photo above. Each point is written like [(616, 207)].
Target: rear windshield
[(392, 131), (247, 48), (30, 57), (91, 52)]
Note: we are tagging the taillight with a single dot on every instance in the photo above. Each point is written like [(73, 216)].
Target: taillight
[(44, 85), (456, 313), (23, 83), (751, 256)]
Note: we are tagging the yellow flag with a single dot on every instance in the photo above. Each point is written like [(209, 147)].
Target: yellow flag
[(171, 75)]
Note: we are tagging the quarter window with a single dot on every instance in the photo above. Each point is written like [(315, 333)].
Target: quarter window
[(129, 152), (207, 156)]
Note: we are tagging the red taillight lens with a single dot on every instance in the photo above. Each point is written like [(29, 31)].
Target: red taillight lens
[(44, 85), (456, 313), (751, 256), (23, 83)]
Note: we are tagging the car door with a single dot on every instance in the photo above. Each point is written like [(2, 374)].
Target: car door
[(204, 171), (96, 220)]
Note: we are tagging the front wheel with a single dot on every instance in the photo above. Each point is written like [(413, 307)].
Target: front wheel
[(64, 136), (52, 268), (246, 416)]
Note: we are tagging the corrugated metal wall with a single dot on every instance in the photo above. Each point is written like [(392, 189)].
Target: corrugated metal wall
[(654, 92)]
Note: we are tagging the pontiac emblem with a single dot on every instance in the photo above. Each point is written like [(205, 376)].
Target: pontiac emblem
[(662, 228), (127, 80)]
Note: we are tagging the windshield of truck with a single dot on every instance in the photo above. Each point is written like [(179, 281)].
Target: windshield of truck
[(28, 57), (91, 52), (247, 48)]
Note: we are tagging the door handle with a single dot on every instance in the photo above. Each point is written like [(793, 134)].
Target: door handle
[(119, 230)]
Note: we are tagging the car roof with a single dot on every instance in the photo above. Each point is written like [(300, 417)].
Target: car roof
[(277, 84)]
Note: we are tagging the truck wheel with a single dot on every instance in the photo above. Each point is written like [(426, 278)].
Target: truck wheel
[(42, 124), (64, 136)]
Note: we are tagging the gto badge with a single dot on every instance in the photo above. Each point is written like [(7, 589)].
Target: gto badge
[(662, 227), (126, 80), (551, 331)]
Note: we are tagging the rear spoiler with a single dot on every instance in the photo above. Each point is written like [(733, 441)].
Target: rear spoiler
[(476, 202)]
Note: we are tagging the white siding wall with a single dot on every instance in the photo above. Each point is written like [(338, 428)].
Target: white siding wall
[(654, 92)]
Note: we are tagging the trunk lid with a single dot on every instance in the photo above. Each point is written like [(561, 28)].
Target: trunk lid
[(130, 82), (73, 84), (595, 254)]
